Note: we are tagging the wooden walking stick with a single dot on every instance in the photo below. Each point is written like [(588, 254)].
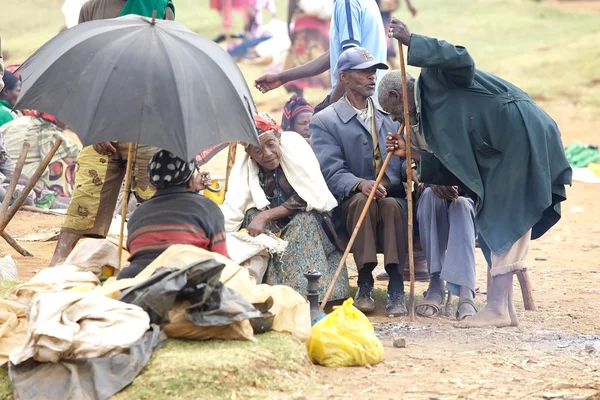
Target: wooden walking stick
[(130, 156), (411, 258), (342, 263)]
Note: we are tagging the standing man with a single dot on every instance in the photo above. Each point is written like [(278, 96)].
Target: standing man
[(348, 140), (488, 136), (101, 167), (354, 23)]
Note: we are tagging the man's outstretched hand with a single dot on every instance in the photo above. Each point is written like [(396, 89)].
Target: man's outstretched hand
[(399, 31), (268, 82), (395, 144)]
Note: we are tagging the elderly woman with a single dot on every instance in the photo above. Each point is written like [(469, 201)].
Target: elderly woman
[(166, 218), (297, 114), (278, 189)]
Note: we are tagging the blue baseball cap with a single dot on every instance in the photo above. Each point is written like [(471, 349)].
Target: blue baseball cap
[(358, 58)]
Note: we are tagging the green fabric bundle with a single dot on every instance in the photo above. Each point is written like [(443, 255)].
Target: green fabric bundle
[(581, 155)]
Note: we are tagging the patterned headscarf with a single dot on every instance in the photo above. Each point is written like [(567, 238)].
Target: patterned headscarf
[(265, 123), (166, 169), (295, 105)]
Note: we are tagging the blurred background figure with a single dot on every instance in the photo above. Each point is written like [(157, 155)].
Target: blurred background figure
[(297, 114), (71, 9), (387, 7), (308, 27)]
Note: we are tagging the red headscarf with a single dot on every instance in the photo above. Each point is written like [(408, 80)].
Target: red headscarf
[(264, 123)]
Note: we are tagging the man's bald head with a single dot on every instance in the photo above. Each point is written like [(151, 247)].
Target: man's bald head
[(390, 95)]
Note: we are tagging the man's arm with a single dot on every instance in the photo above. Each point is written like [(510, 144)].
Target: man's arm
[(340, 180), (312, 68), (452, 64), (432, 171)]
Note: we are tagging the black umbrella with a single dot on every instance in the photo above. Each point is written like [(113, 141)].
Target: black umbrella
[(131, 79)]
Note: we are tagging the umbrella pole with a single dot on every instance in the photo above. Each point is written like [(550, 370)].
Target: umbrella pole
[(230, 161), (127, 191), (409, 183)]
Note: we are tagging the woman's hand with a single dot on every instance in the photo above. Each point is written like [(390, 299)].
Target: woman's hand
[(268, 82), (200, 181), (258, 224)]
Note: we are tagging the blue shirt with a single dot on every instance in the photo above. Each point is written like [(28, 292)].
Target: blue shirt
[(356, 23)]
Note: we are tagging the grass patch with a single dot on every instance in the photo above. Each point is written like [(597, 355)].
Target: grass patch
[(273, 368), (276, 365)]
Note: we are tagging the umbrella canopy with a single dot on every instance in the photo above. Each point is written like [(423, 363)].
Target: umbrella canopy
[(129, 79)]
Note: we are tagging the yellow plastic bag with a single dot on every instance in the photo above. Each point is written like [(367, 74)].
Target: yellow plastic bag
[(344, 338)]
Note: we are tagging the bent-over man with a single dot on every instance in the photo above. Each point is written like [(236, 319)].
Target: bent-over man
[(482, 133)]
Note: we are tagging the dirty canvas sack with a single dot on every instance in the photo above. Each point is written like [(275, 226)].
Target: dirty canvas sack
[(211, 304), (84, 378), (344, 338)]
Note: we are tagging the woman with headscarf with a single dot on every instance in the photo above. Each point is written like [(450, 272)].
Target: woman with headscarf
[(297, 114), (8, 97), (278, 189), (167, 219)]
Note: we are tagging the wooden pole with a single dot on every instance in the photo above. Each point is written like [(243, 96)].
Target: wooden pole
[(230, 162), (342, 263), (15, 179), (525, 284), (411, 258), (15, 245), (33, 180), (126, 192)]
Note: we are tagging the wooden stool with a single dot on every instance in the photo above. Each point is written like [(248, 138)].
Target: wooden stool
[(525, 284)]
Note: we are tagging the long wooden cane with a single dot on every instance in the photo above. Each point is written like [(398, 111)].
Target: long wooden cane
[(411, 258), (129, 168), (342, 263)]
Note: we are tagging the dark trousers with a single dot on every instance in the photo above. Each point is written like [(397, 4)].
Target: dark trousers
[(384, 230)]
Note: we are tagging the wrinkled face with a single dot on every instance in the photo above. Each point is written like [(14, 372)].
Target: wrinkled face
[(12, 95), (301, 122), (395, 107), (268, 155), (360, 82)]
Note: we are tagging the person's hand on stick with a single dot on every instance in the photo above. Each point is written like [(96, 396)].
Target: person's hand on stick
[(399, 31), (365, 187), (395, 144)]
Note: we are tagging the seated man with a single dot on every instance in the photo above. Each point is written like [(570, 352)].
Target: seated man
[(349, 138), (447, 232), (176, 214), (279, 188)]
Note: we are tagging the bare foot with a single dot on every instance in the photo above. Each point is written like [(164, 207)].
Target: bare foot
[(496, 312), (486, 317)]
